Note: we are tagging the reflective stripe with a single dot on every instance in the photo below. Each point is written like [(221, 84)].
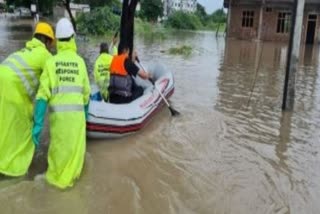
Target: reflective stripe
[(66, 108), (67, 89), (27, 68), (22, 77)]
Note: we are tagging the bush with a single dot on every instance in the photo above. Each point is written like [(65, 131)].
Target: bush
[(183, 50), (182, 20), (98, 22), (151, 30)]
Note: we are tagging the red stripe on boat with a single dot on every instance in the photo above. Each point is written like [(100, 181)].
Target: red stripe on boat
[(94, 127)]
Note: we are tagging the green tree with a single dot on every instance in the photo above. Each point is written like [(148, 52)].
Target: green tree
[(46, 6), (218, 16), (98, 22), (99, 3), (19, 3), (201, 13), (183, 20), (151, 9)]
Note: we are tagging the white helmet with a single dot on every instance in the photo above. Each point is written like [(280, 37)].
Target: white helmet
[(64, 29)]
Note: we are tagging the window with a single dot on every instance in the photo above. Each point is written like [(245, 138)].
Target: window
[(284, 22), (312, 17), (268, 9), (247, 18)]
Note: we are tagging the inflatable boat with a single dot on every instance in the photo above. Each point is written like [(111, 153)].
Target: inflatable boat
[(107, 120)]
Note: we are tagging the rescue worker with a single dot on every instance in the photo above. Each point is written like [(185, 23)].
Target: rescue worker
[(101, 70), (122, 88), (19, 81), (64, 86)]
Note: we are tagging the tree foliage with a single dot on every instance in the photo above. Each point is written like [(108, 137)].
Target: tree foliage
[(99, 3), (19, 3), (151, 9), (201, 13), (218, 16), (47, 5), (98, 22), (183, 20)]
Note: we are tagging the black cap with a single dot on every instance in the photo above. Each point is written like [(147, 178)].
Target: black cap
[(104, 48)]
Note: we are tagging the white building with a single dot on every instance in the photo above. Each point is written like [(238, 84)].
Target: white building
[(179, 5), (60, 11), (165, 8)]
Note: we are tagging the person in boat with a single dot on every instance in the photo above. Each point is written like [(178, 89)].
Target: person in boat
[(64, 86), (19, 81), (122, 88), (101, 70)]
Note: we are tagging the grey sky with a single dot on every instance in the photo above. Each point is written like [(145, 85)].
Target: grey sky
[(211, 5)]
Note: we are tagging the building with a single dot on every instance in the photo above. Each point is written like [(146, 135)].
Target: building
[(60, 11), (165, 8), (179, 5), (270, 20)]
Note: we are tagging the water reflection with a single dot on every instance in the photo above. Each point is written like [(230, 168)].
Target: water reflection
[(282, 141), (310, 55), (12, 37), (284, 138)]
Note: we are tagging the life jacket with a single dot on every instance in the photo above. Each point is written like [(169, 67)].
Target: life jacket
[(120, 82), (117, 65)]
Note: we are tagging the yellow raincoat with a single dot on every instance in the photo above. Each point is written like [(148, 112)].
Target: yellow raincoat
[(64, 85), (102, 73), (19, 80)]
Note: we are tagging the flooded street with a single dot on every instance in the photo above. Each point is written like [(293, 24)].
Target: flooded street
[(231, 151)]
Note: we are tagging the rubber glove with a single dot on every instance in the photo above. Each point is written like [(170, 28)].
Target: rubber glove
[(38, 120), (86, 110)]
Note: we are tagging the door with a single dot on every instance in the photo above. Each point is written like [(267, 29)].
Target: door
[(311, 29)]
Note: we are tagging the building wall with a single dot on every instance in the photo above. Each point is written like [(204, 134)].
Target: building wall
[(269, 24), (60, 11), (184, 5), (165, 8), (236, 30), (269, 27), (189, 5)]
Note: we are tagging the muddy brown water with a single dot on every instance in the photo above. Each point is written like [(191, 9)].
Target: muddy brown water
[(224, 154)]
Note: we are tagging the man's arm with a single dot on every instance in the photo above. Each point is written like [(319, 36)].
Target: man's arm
[(134, 70)]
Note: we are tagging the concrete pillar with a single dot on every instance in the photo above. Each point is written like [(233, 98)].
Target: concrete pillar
[(293, 55), (260, 26)]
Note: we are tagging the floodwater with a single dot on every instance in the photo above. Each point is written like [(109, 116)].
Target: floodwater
[(231, 151)]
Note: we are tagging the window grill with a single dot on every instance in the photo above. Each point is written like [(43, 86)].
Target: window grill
[(247, 18)]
